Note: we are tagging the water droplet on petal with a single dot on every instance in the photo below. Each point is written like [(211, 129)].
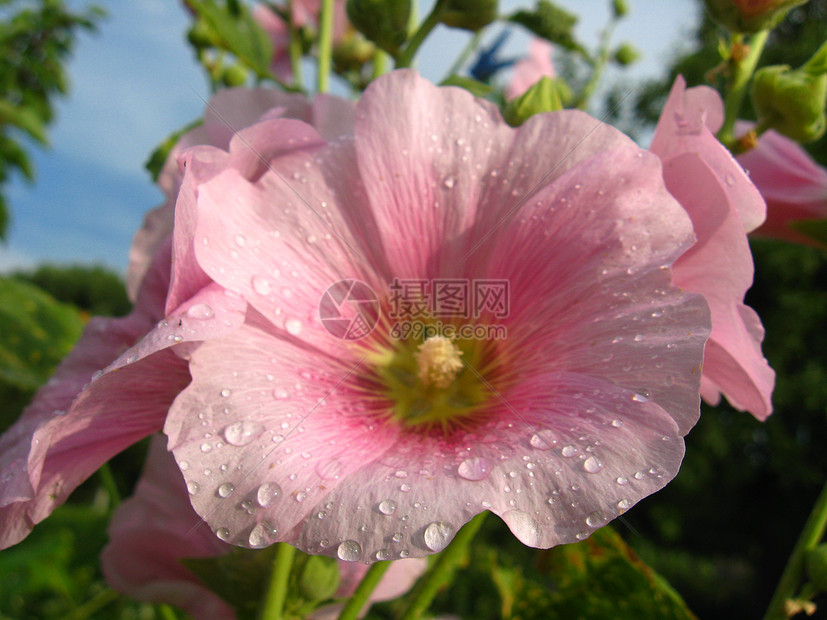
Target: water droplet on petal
[(641, 397), (474, 469), (261, 285), (349, 550), (261, 535), (200, 311), (523, 526), (543, 440), (226, 489), (624, 505), (223, 533), (242, 433), (192, 487), (240, 240), (387, 507), (267, 493), (622, 480), (438, 535), (383, 554), (569, 450), (293, 326), (397, 537), (449, 182), (225, 392), (595, 519), (592, 465)]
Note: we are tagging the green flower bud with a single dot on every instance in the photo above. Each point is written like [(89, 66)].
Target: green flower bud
[(352, 52), (791, 102), (546, 95), (626, 54), (201, 35), (234, 75), (620, 8), (750, 15), (385, 22), (816, 562), (469, 14), (319, 578)]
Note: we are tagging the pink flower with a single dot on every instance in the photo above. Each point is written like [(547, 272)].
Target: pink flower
[(381, 448), (88, 412), (794, 186), (535, 65), (724, 206), (156, 528)]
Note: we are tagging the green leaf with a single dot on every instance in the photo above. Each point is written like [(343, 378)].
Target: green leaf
[(476, 88), (385, 22), (239, 33), (815, 229), (158, 158), (545, 95), (469, 14), (598, 578), (36, 332), (816, 563), (25, 119), (551, 22)]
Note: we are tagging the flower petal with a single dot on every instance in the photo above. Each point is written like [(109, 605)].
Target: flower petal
[(151, 532)]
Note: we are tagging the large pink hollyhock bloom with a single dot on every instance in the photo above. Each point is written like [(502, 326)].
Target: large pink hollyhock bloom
[(724, 205), (88, 412), (794, 186), (381, 448), (152, 531), (537, 64)]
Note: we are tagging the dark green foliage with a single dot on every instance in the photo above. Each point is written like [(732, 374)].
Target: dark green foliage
[(550, 22), (36, 38), (385, 22), (94, 290)]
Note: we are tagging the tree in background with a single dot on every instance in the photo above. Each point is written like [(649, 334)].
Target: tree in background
[(36, 39)]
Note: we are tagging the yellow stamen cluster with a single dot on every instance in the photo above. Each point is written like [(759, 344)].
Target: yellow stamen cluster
[(438, 362)]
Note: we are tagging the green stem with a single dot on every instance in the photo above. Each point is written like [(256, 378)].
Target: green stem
[(276, 595), (469, 49), (406, 57), (91, 607), (811, 536), (108, 481), (380, 63), (325, 46), (167, 612), (440, 571), (598, 65), (294, 49), (742, 71), (363, 591)]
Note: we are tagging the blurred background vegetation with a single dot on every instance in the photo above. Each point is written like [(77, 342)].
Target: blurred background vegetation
[(720, 534)]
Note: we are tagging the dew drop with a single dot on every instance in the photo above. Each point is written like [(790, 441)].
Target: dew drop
[(200, 311), (225, 392), (397, 537), (438, 535), (192, 487), (281, 393), (622, 480), (449, 182), (595, 519), (404, 488), (293, 326), (240, 240), (301, 496), (592, 465), (387, 507), (523, 526), (474, 469), (261, 285), (641, 397), (383, 554), (223, 533), (267, 493), (226, 489), (261, 535), (206, 447), (617, 423), (569, 450), (542, 440), (242, 433), (349, 550), (624, 505)]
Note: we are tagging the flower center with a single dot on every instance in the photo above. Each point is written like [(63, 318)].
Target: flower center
[(437, 383), (439, 361)]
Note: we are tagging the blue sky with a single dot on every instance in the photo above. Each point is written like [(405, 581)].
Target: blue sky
[(136, 81)]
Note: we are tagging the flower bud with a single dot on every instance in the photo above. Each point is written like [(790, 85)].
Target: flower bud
[(234, 75), (469, 14), (626, 54), (546, 95), (750, 15), (620, 8), (791, 102), (352, 52), (319, 578), (385, 22)]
